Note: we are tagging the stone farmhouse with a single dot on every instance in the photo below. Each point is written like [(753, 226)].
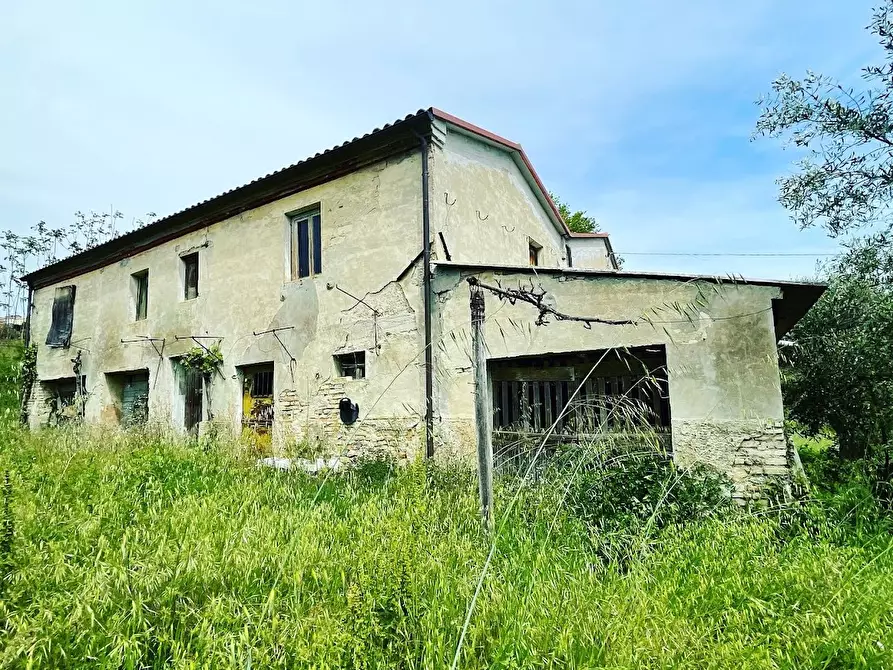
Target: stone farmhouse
[(335, 290)]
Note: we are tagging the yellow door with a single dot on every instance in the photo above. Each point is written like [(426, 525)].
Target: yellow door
[(257, 405)]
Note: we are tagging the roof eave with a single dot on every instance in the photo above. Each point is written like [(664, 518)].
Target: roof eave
[(796, 297), (347, 157), (519, 156)]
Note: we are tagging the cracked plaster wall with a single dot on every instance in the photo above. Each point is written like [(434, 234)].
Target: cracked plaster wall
[(725, 393), (487, 212), (371, 224)]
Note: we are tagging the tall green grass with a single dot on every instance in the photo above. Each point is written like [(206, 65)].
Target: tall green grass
[(134, 551), (10, 360)]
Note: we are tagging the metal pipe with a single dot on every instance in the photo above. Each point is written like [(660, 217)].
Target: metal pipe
[(272, 330), (26, 327), (426, 287)]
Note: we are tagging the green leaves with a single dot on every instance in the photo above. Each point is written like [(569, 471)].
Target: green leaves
[(579, 221), (204, 360), (845, 180), (836, 366)]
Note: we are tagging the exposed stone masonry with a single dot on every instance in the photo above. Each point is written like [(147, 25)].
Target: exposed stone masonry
[(314, 423), (751, 453)]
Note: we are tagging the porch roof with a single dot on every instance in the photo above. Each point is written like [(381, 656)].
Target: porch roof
[(797, 297)]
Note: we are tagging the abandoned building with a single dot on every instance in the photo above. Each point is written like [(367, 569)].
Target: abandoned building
[(330, 302)]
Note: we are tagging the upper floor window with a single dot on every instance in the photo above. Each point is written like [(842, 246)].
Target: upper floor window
[(570, 257), (140, 281), (534, 251), (190, 276), (306, 243), (63, 317)]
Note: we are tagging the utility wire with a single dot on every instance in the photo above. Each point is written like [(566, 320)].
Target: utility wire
[(757, 254)]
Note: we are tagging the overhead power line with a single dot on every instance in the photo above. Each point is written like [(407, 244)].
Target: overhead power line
[(721, 253)]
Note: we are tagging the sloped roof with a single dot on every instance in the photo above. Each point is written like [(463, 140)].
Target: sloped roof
[(392, 138)]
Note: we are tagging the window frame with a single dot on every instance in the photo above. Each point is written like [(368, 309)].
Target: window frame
[(356, 364), (185, 261), (305, 243), (533, 250), (140, 290)]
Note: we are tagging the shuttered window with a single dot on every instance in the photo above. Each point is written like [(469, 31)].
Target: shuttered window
[(63, 317), (190, 276), (141, 290), (306, 244)]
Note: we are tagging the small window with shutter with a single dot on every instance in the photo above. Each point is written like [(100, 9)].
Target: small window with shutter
[(533, 250), (306, 243), (63, 317), (140, 282), (190, 276)]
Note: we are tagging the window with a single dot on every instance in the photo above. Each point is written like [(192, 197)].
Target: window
[(140, 281), (190, 276), (352, 365), (570, 258), (306, 244), (534, 250), (63, 317), (262, 383)]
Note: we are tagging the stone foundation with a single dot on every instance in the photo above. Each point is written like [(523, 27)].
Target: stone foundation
[(750, 452), (313, 424)]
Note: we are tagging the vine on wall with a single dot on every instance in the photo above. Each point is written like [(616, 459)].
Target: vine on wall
[(202, 360)]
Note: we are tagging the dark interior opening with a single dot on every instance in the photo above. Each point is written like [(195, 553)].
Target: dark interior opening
[(581, 393)]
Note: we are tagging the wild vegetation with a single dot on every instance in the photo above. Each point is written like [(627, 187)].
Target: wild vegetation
[(21, 253), (134, 550), (836, 374)]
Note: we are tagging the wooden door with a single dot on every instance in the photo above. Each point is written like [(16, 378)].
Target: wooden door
[(135, 399), (193, 394)]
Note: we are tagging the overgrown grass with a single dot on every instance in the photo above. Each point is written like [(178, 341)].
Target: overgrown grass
[(136, 552), (10, 360)]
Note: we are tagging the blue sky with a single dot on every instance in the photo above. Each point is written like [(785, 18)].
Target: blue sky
[(639, 112)]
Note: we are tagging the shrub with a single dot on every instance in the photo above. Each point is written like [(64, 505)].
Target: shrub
[(645, 489)]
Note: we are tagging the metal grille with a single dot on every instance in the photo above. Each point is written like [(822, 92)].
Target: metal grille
[(262, 384), (602, 402), (352, 365)]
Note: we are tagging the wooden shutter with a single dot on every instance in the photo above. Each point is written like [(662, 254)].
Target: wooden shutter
[(142, 296), (63, 317), (303, 248), (192, 387), (317, 244)]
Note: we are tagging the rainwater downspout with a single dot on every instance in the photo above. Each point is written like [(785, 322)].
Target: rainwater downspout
[(26, 326), (426, 287)]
